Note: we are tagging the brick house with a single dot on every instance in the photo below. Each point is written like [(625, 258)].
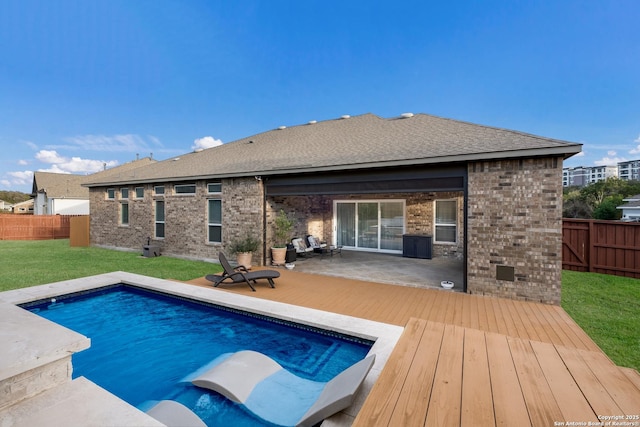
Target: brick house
[(490, 196)]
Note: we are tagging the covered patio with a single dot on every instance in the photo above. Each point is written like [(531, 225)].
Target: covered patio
[(391, 269), (468, 359)]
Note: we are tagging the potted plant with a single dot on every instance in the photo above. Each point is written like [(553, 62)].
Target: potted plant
[(282, 230), (243, 249)]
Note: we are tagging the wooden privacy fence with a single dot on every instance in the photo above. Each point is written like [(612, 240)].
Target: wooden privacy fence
[(35, 227), (608, 247)]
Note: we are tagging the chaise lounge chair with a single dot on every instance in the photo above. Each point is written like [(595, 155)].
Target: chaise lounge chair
[(276, 395), (240, 274), (174, 414)]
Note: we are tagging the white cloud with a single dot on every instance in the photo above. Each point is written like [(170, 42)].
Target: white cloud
[(20, 178), (611, 159), (205, 142), (23, 162), (49, 156), (636, 150), (127, 143), (61, 164)]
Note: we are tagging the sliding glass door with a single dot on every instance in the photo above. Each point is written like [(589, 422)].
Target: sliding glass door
[(376, 225)]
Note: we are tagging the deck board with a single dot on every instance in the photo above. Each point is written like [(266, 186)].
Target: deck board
[(509, 404), (564, 389), (413, 401), (541, 405), (477, 399), (469, 359)]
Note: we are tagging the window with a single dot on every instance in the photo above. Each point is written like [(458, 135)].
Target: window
[(215, 221), (124, 193), (139, 192), (185, 189), (446, 221), (214, 208), (159, 219), (124, 213), (214, 187), (111, 193), (158, 190)]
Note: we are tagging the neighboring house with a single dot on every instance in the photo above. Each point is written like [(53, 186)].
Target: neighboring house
[(25, 207), (59, 194), (4, 206), (631, 209), (63, 193), (490, 196)]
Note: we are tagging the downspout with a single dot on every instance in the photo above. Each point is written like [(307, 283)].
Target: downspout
[(264, 221), (465, 224)]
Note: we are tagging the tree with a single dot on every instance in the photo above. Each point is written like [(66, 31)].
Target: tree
[(594, 194), (13, 197), (608, 208), (598, 200), (574, 205)]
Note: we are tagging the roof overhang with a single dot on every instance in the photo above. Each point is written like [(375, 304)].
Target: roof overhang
[(564, 152)]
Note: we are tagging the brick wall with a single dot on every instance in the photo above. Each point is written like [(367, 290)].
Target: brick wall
[(186, 217), (515, 229)]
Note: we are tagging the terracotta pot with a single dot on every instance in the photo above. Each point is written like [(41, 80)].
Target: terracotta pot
[(278, 256), (244, 258)]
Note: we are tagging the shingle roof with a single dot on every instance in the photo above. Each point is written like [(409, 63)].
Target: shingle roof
[(350, 143), (65, 185), (60, 185)]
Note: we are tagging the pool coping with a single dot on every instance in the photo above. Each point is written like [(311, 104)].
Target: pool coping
[(35, 335)]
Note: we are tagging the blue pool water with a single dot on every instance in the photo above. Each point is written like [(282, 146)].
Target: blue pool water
[(143, 344)]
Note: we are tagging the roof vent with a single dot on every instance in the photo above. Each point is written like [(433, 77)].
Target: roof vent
[(313, 122), (197, 150), (346, 116), (282, 127), (406, 115), (176, 159)]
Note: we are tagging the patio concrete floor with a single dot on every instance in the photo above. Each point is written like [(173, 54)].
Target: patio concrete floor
[(385, 268)]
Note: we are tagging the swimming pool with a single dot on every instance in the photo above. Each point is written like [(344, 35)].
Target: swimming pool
[(145, 343), (39, 346)]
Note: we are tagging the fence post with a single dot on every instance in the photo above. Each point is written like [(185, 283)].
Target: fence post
[(591, 246)]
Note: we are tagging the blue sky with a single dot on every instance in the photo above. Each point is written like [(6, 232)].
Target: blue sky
[(89, 83)]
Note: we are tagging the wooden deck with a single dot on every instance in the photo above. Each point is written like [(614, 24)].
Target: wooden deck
[(470, 360)]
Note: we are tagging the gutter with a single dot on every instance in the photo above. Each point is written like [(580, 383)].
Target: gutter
[(565, 152)]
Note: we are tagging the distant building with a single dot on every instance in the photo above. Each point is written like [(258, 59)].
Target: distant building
[(584, 175), (574, 177), (629, 170), (25, 207)]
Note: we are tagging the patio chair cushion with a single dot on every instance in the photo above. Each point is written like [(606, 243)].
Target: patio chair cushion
[(300, 246), (315, 243)]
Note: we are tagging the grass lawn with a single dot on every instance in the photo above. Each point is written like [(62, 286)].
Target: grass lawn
[(29, 263), (608, 309)]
